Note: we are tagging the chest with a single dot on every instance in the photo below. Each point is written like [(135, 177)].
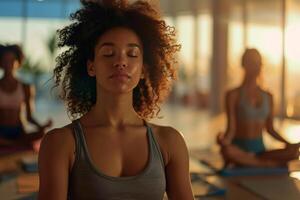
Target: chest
[(118, 153), (9, 87), (253, 106), (253, 99), (115, 167), (11, 96)]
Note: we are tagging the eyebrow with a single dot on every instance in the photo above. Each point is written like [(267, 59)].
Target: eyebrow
[(112, 44)]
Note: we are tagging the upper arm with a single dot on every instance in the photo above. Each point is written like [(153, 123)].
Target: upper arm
[(269, 121), (177, 168), (54, 165), (230, 103), (29, 92)]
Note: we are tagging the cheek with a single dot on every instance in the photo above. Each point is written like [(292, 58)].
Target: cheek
[(101, 75), (136, 66), (136, 73), (102, 67), (137, 69)]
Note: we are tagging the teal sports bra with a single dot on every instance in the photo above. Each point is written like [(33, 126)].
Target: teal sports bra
[(247, 111)]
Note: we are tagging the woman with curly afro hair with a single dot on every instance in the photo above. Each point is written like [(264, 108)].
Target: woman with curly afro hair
[(117, 68)]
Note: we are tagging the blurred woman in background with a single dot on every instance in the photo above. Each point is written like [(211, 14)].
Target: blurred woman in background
[(13, 96), (249, 110)]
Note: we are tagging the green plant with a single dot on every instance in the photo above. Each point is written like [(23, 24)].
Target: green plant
[(31, 68)]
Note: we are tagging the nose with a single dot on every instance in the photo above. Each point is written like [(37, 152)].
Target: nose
[(121, 62)]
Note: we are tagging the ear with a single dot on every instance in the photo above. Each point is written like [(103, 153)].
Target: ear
[(90, 68), (143, 72)]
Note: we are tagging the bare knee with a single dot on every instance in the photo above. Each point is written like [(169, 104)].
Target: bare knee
[(293, 151), (230, 152)]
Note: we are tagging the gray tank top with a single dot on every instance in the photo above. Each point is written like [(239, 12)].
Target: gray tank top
[(249, 112), (87, 182)]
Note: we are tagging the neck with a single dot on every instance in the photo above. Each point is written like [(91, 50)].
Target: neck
[(9, 76), (250, 82), (114, 110)]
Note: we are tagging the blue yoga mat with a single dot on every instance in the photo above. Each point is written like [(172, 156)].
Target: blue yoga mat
[(30, 167), (253, 171), (205, 188), (30, 164), (246, 171), (8, 176)]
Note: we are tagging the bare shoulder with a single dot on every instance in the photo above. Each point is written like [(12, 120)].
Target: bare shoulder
[(233, 93), (63, 134), (267, 92), (168, 138), (166, 134), (28, 89), (27, 86), (59, 139), (55, 163)]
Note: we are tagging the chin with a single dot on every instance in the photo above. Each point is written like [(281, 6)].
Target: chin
[(120, 90), (119, 87)]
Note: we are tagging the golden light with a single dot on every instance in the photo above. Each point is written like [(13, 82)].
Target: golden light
[(186, 31), (292, 133), (268, 39), (292, 46), (295, 175)]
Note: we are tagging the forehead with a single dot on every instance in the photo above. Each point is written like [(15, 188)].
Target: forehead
[(119, 36), (8, 55), (253, 57)]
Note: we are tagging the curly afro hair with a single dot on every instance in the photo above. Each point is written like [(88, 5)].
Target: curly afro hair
[(78, 89)]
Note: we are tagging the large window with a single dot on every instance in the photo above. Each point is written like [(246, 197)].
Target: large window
[(194, 57), (205, 52), (31, 23), (292, 52), (11, 30), (236, 45), (185, 28)]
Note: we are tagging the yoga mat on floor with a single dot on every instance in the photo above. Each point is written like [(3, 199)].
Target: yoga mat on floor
[(9, 191), (32, 196), (6, 176), (202, 188), (254, 171), (246, 171), (274, 188), (30, 164), (28, 183)]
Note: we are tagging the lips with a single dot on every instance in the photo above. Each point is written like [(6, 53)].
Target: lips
[(119, 76)]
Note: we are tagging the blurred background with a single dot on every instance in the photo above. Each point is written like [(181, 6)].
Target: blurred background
[(213, 35)]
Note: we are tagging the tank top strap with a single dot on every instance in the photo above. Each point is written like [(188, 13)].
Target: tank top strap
[(154, 145), (242, 95), (77, 133), (265, 96)]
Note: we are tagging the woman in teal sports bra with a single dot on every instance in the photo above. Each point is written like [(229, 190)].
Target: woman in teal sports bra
[(117, 67), (249, 111)]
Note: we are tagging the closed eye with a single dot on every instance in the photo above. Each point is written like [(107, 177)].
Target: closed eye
[(108, 55), (133, 55)]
